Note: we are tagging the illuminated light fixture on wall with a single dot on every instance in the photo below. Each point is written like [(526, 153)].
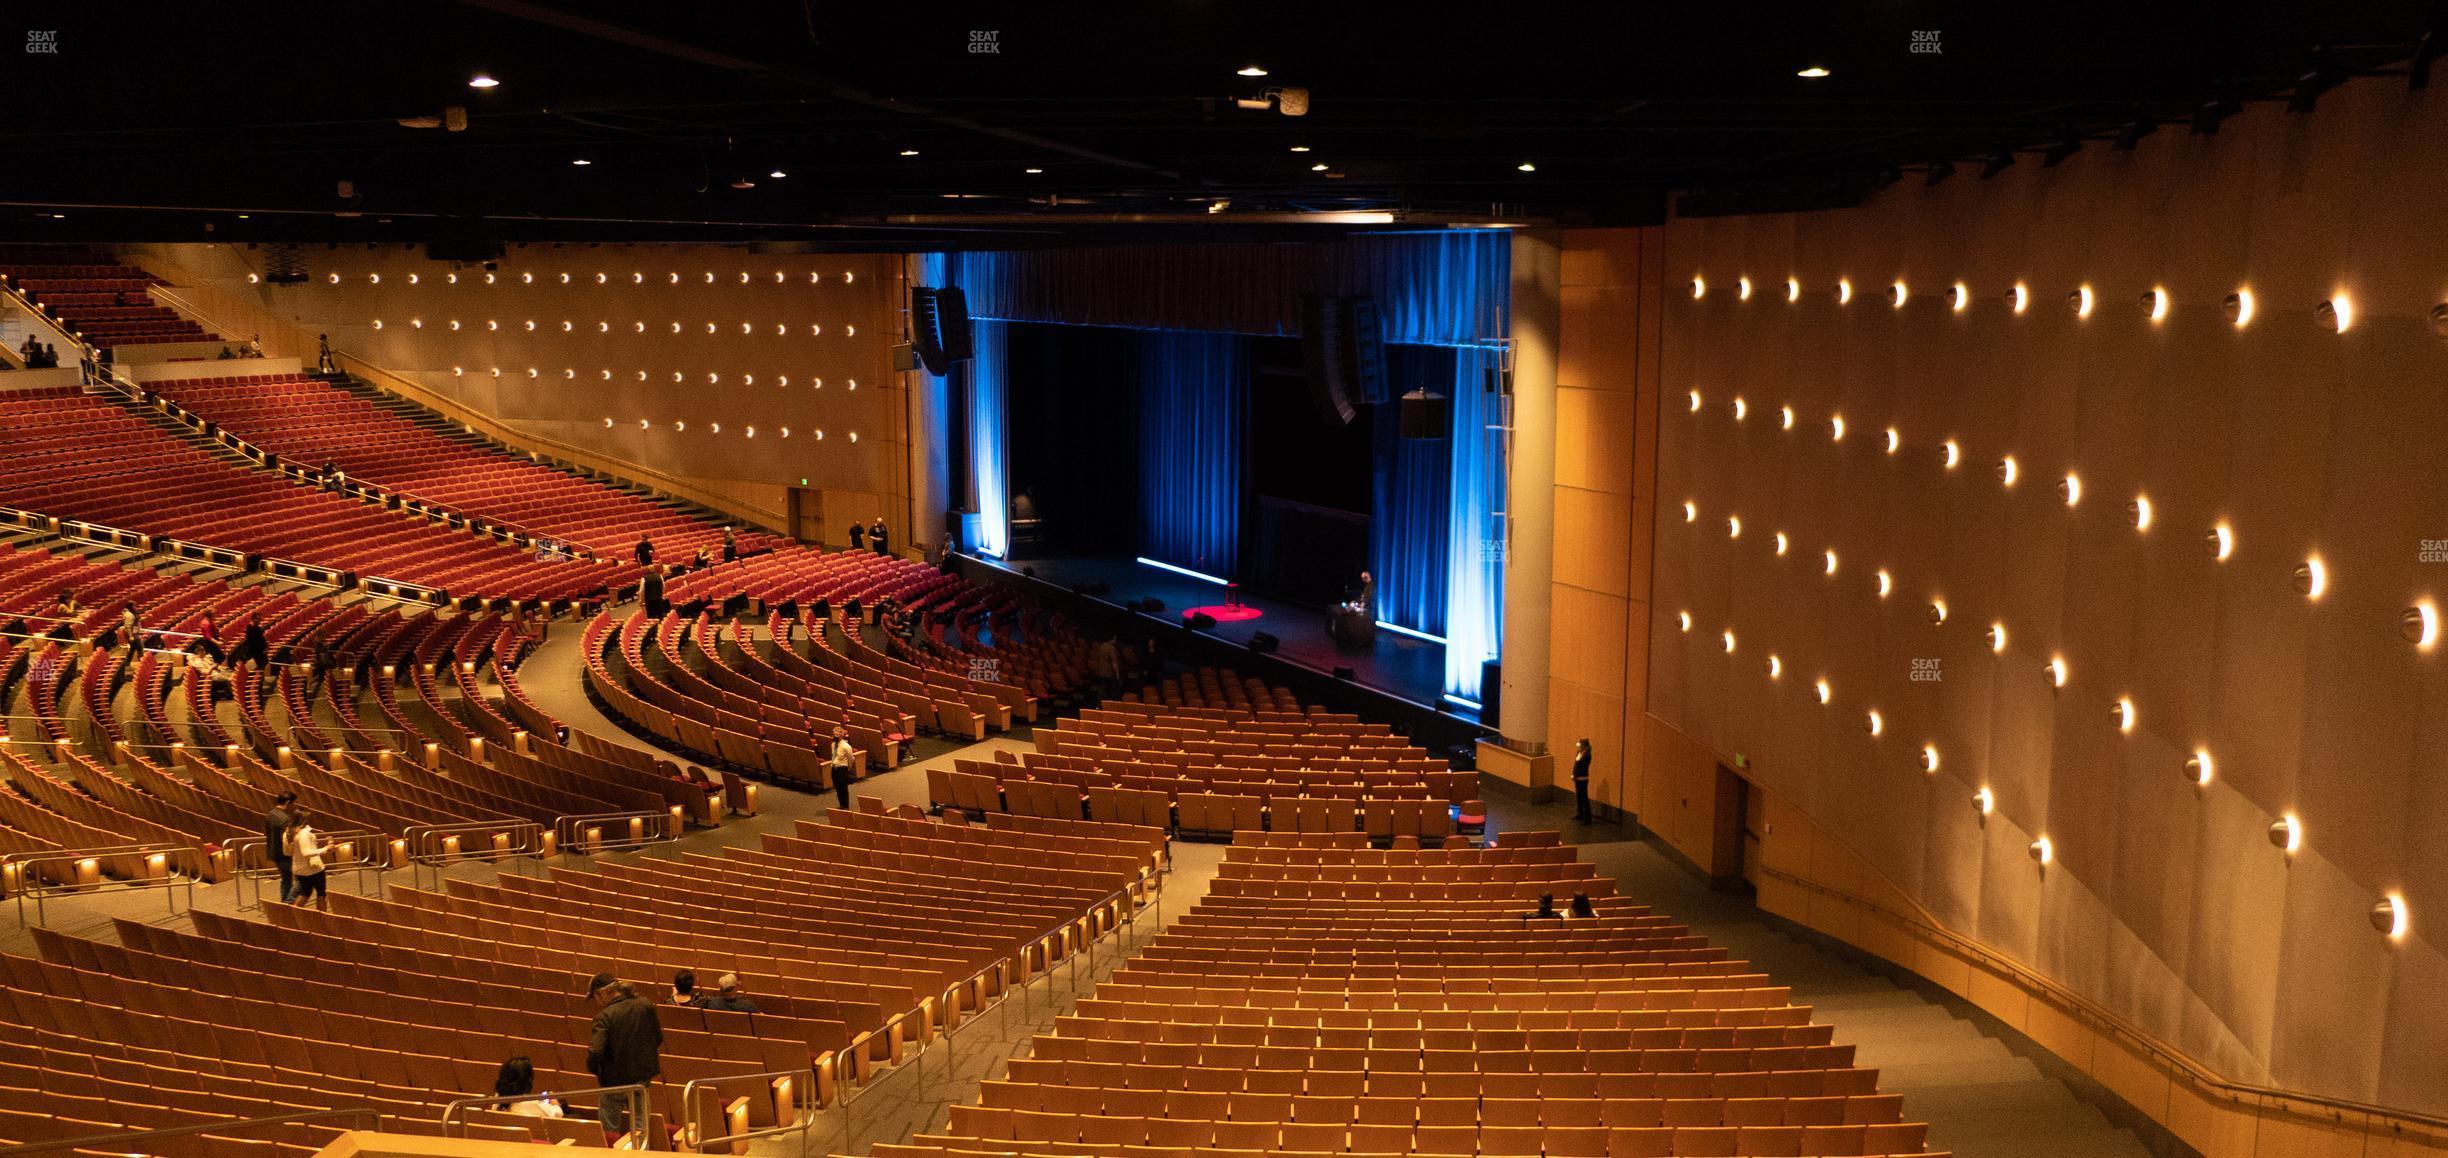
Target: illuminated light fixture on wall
[(2043, 850), (492, 325), (1793, 289), (1844, 290), (672, 278), (715, 427), (454, 325), (450, 279), (1886, 583), (713, 379), (332, 278), (2019, 297), (568, 372), (1683, 620), (1742, 289), (1937, 611), (254, 278), (2335, 315), (416, 323), (1897, 295), (2222, 542), (2238, 307), (1785, 417), (641, 327), (378, 323), (636, 278), (1958, 297), (1828, 558), (675, 327), (607, 424), (603, 327), (1741, 409), (458, 371), (606, 375), (2420, 624), (819, 433), (2081, 298), (1691, 512), (712, 329), (2070, 488), (531, 325), (1781, 542), (1728, 637), (1695, 402), (1776, 668), (532, 372), (648, 424), (1929, 757), (373, 279), (1733, 526), (784, 432), (1873, 722), (2312, 577), (2139, 512), (781, 379), (1984, 801), (750, 432), (2200, 767), (709, 277), (602, 277), (2286, 833), (1997, 638), (1953, 453), (854, 436), (747, 379), (412, 279), (527, 279), (2055, 671), (497, 371), (1699, 286), (1836, 428), (1821, 689), (2389, 917), (489, 279), (2123, 712), (2439, 320), (2008, 471), (2155, 304), (1894, 441), (681, 427)]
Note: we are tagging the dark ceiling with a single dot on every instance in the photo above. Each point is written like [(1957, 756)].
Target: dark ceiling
[(168, 122)]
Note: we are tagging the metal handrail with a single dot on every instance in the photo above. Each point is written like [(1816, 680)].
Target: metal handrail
[(805, 1105), (250, 878), (654, 826), (117, 1142), (640, 1112), (425, 845), (2117, 1025), (30, 885)]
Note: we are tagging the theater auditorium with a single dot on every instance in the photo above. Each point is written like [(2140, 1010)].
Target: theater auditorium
[(1167, 580)]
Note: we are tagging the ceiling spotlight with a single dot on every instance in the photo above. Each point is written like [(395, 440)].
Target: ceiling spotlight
[(1781, 542), (2019, 297), (1813, 72), (1785, 417), (1320, 167), (580, 162), (909, 152), (2080, 299), (1958, 296), (1032, 171), (1938, 611), (1741, 408), (1250, 70), (483, 80), (1733, 527), (1742, 289), (1695, 401), (1896, 294), (1836, 428), (1300, 148), (1691, 511), (1997, 163), (2286, 833), (1527, 167), (777, 174), (1939, 171), (1894, 441), (1727, 636)]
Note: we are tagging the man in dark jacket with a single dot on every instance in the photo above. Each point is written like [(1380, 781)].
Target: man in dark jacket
[(625, 1047), (276, 826)]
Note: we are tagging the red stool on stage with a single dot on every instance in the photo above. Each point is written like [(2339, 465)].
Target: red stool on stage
[(1232, 595)]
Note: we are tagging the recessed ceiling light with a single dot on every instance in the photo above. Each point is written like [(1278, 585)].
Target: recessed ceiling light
[(909, 152), (483, 80), (1300, 148), (1320, 167), (1528, 166), (580, 161), (1814, 72), (1032, 170), (1250, 70), (777, 174)]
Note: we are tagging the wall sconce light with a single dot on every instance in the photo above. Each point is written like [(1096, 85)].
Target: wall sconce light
[(1897, 294), (1929, 757), (2199, 768), (1953, 454), (2138, 512), (378, 323), (2070, 488), (1786, 417), (1728, 636), (1695, 402), (1691, 511), (1875, 722), (2155, 304), (1793, 289), (1894, 440), (2008, 470), (2043, 850), (1699, 286), (2420, 624), (1957, 297), (1781, 542), (1844, 290), (1997, 638), (2335, 315), (1742, 289), (2439, 320), (2222, 542), (2312, 577), (2056, 671), (2286, 833), (1733, 526), (1683, 620), (1821, 689), (1740, 408), (1829, 557), (1937, 611), (2081, 298), (2389, 917), (1985, 801), (2019, 297), (1886, 582), (2123, 712), (2238, 307), (1776, 668)]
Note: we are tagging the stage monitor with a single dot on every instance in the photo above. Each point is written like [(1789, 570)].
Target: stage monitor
[(1264, 642)]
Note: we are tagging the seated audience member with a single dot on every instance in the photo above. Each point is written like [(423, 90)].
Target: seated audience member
[(731, 997), (684, 988), (1581, 906), (1546, 910), (517, 1080)]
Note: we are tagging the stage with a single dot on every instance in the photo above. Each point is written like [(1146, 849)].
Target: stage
[(1400, 666)]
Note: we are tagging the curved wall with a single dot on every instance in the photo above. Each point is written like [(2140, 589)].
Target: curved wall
[(2164, 901)]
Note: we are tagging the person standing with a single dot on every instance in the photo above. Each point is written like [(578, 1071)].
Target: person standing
[(323, 357), (128, 630), (624, 1047), (858, 537), (843, 754), (877, 536), (1580, 775), (730, 545), (276, 842), (306, 851)]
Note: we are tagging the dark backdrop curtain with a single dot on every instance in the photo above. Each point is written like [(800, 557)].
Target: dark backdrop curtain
[(1193, 391), (1410, 525), (1432, 288), (1074, 434)]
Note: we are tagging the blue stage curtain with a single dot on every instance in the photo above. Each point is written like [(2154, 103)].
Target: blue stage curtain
[(1411, 496), (1434, 288), (989, 391), (1193, 405), (1476, 538)]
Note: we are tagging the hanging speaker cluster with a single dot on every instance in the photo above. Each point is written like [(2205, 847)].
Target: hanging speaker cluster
[(939, 327), (1342, 355)]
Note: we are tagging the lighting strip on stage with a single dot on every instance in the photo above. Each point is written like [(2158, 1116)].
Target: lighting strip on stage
[(1471, 704), (1186, 571), (1414, 633)]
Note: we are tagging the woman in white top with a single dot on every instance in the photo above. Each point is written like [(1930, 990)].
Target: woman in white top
[(516, 1080), (306, 848)]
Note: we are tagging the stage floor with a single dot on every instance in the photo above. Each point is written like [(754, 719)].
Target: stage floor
[(1395, 664)]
